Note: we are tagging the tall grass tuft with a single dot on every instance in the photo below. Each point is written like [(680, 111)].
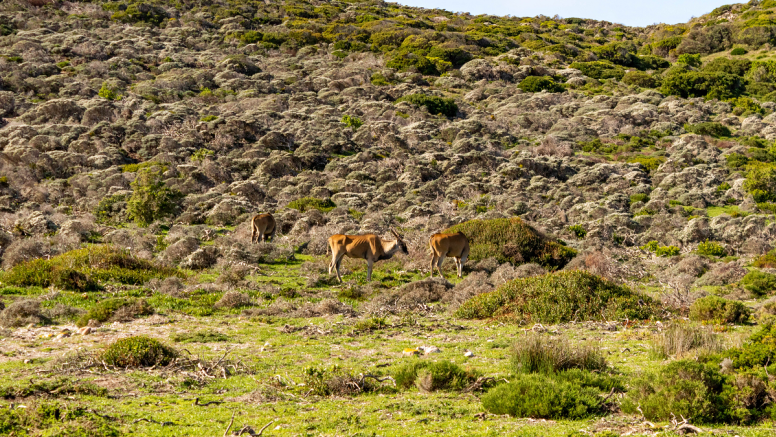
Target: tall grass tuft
[(681, 339), (537, 354)]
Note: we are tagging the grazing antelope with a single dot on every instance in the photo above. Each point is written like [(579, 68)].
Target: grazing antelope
[(442, 245), (263, 228), (369, 247)]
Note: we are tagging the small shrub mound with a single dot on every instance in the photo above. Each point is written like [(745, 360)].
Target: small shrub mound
[(685, 388), (82, 269), (430, 376), (664, 251), (759, 351), (125, 309), (234, 299), (711, 248), (307, 203), (537, 354), (557, 298), (713, 129), (719, 310), (512, 240), (767, 260), (434, 104), (535, 84), (22, 312), (543, 397), (138, 351), (759, 283)]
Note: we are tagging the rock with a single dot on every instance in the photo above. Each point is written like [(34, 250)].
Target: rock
[(430, 350), (467, 353), (86, 330)]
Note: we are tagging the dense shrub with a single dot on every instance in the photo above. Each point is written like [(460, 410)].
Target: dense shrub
[(543, 397), (759, 283), (711, 248), (767, 260), (512, 240), (434, 104), (711, 85), (22, 312), (758, 351), (137, 351), (717, 309), (640, 79), (151, 199), (688, 389), (433, 375), (578, 230), (412, 61), (537, 354), (761, 181), (712, 128), (599, 69), (666, 251), (557, 298), (81, 269), (650, 163), (307, 203), (535, 84)]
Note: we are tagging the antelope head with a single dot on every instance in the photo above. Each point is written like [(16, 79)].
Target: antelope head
[(400, 242)]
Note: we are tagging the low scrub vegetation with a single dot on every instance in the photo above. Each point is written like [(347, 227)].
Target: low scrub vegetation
[(719, 310), (540, 354), (557, 298), (138, 351), (680, 339), (512, 240), (433, 375)]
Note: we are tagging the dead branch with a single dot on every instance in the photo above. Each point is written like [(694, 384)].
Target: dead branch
[(143, 419), (369, 375), (230, 424), (196, 402), (261, 431), (477, 385)]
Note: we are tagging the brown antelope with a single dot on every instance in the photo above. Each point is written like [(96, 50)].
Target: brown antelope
[(263, 228), (454, 245), (369, 247)]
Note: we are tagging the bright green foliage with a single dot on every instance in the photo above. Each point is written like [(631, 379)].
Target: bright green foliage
[(578, 230), (151, 198), (512, 240), (535, 84), (736, 160), (639, 197), (413, 61), (201, 154), (141, 13), (711, 248), (138, 351), (307, 203), (353, 122), (657, 249), (758, 352), (599, 69), (378, 79), (107, 92), (650, 163), (761, 181), (543, 397), (747, 105), (685, 388), (80, 270), (439, 375), (717, 309), (208, 118), (434, 104), (759, 283), (557, 298), (691, 60), (703, 84), (711, 128), (104, 310)]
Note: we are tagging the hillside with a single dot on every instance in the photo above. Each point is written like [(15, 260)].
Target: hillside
[(137, 140)]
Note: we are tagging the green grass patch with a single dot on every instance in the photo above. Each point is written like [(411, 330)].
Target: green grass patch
[(307, 203)]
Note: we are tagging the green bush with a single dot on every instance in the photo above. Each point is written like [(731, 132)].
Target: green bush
[(543, 397), (105, 309), (308, 203), (558, 298), (711, 85), (761, 181), (353, 122), (650, 163), (719, 310), (712, 128), (711, 248), (767, 260), (512, 240), (107, 92), (736, 160), (639, 197), (137, 351), (759, 283), (693, 60), (535, 84), (738, 51), (640, 79), (578, 230), (759, 350), (434, 375), (412, 61), (658, 250), (434, 104), (599, 69), (685, 388), (80, 269), (151, 199), (537, 354)]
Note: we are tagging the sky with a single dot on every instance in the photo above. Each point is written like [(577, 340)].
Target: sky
[(628, 12)]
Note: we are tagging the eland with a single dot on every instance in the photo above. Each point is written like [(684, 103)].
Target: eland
[(369, 247)]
